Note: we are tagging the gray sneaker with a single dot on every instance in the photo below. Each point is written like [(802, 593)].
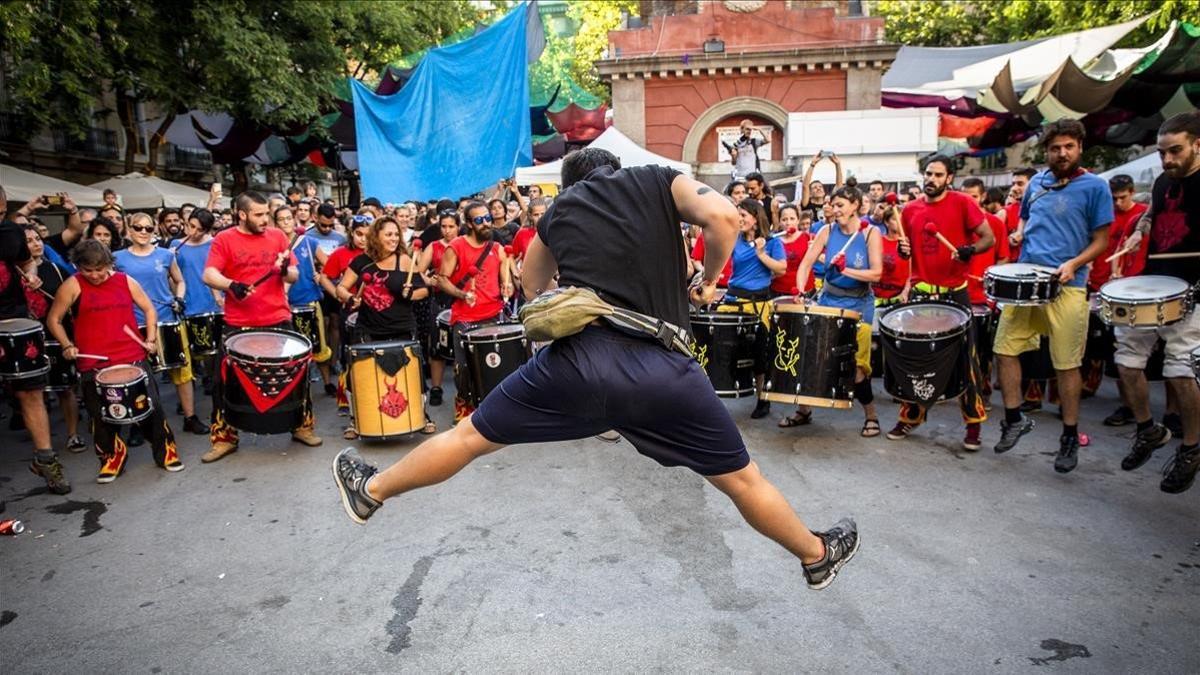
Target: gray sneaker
[(841, 543), (351, 474), (1010, 434)]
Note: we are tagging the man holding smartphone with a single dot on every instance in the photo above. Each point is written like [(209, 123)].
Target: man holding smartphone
[(743, 153)]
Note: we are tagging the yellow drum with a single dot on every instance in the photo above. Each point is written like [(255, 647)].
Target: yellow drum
[(385, 389)]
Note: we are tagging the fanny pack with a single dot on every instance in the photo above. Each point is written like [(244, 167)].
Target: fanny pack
[(563, 312), (839, 292)]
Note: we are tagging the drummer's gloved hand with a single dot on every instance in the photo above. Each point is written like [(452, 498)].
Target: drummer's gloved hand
[(833, 273), (964, 253), (904, 249), (239, 290), (178, 305)]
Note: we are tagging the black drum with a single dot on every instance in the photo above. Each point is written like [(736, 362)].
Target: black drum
[(124, 394), (62, 375), (1036, 364), (493, 353), (171, 352), (265, 380), (304, 320), (725, 350), (926, 354), (1020, 284), (22, 349), (985, 320), (444, 349), (813, 348), (204, 333)]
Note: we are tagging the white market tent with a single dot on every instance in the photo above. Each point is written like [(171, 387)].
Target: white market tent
[(21, 186), (612, 140), (150, 192), (1143, 170)]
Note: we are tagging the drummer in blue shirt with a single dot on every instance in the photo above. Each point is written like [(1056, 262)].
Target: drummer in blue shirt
[(306, 292), (191, 252)]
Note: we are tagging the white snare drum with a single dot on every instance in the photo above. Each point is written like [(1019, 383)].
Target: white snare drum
[(1145, 302), (1021, 284)]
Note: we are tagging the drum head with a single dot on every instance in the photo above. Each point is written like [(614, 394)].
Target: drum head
[(1149, 287), (925, 319), (1019, 271), (444, 317), (496, 332), (782, 307), (119, 375), (18, 326), (268, 345)]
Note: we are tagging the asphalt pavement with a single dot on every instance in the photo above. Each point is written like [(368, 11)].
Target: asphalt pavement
[(586, 556)]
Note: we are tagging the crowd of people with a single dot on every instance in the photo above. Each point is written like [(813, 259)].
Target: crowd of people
[(159, 292)]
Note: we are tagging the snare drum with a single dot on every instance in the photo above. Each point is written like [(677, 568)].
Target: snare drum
[(926, 353), (493, 353), (813, 361), (124, 394), (62, 375), (22, 349), (385, 389), (1020, 284), (172, 348), (265, 380), (444, 349), (983, 318), (1145, 302), (725, 350), (204, 333)]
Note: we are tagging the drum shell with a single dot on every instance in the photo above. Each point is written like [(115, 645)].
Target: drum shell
[(813, 358), (22, 349), (304, 321), (1019, 291), (1145, 313), (725, 349), (985, 321), (445, 337), (171, 351), (491, 358), (62, 375), (204, 333), (286, 414), (375, 395), (900, 346), (124, 402)]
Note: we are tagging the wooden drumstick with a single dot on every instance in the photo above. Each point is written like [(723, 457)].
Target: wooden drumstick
[(931, 229), (136, 338), (842, 253), (1118, 254), (94, 357)]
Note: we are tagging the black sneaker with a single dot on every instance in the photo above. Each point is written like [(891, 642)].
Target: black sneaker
[(1119, 418), (56, 480), (1010, 434), (330, 389), (194, 425), (761, 410), (1144, 445), (841, 543), (1068, 453), (1031, 406), (351, 474), (435, 396), (1173, 422), (1180, 470)]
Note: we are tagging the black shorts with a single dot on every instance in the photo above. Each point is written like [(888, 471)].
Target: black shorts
[(330, 306), (580, 386)]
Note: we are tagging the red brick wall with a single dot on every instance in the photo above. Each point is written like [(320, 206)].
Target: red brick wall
[(672, 105)]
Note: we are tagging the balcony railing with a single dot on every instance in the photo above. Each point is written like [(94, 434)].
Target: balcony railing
[(186, 158), (99, 143)]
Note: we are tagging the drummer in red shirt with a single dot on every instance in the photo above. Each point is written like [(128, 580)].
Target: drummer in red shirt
[(1012, 210), (473, 272), (997, 255), (894, 286), (250, 263), (795, 238), (939, 273), (102, 302), (431, 266)]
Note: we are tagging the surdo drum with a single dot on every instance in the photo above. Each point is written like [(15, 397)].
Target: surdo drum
[(171, 353), (1020, 284), (386, 389), (493, 353), (22, 349), (926, 353), (813, 349), (204, 333), (725, 350), (265, 380)]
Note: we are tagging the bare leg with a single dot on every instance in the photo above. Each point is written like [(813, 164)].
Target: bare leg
[(768, 512), (325, 372), (431, 462), (1009, 369), (1187, 397), (759, 381), (1070, 387), (70, 408), (1137, 391), (437, 368), (1172, 404), (187, 398), (33, 411)]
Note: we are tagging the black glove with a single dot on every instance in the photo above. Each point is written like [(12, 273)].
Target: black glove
[(904, 249), (178, 305), (964, 253), (239, 290)]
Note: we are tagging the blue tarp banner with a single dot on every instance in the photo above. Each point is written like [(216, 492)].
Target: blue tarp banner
[(460, 124)]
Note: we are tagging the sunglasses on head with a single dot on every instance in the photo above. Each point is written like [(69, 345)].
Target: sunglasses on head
[(479, 220), (364, 218), (141, 228)]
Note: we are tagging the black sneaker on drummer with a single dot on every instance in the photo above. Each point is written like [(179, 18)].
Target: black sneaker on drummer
[(1180, 471), (1011, 433), (1068, 453), (841, 543), (1145, 442), (351, 473), (1119, 417)]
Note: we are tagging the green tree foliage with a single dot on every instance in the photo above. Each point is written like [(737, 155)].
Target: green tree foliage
[(956, 23), (594, 19)]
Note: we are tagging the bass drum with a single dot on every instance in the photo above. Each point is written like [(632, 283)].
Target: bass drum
[(725, 350), (814, 348), (926, 353), (22, 349), (265, 380), (386, 389), (493, 353)]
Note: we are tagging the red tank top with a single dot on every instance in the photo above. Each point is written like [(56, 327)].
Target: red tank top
[(101, 312), (484, 282)]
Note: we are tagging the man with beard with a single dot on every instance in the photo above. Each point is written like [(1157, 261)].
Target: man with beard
[(239, 258), (938, 274), (474, 272), (758, 190), (170, 227), (1065, 216), (1173, 228)]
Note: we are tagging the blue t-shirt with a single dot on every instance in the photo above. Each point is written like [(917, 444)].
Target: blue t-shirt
[(748, 271), (197, 295), (326, 242), (306, 289), (858, 258), (54, 257), (1059, 222), (818, 266), (152, 272)]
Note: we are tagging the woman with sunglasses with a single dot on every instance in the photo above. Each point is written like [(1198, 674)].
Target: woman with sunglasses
[(159, 275), (390, 287), (431, 265)]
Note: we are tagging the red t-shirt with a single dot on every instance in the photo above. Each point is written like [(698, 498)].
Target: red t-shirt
[(895, 270), (339, 261), (435, 260), (1132, 263), (246, 258), (981, 261), (698, 255), (1012, 216), (522, 240), (101, 312), (485, 281), (955, 216), (785, 284)]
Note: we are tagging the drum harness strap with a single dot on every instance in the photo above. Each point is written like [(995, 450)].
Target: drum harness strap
[(566, 311)]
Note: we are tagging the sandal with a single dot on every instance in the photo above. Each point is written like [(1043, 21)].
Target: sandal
[(429, 428), (796, 420), (870, 428), (350, 434)]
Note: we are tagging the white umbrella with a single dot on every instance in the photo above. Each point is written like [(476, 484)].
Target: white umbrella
[(150, 192), (21, 186)]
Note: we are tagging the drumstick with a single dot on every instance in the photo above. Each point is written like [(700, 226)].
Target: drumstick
[(1173, 256), (136, 338), (1118, 254), (842, 253), (94, 357), (930, 228)]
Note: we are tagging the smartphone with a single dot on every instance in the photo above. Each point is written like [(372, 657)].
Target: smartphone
[(216, 187), (52, 200)]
